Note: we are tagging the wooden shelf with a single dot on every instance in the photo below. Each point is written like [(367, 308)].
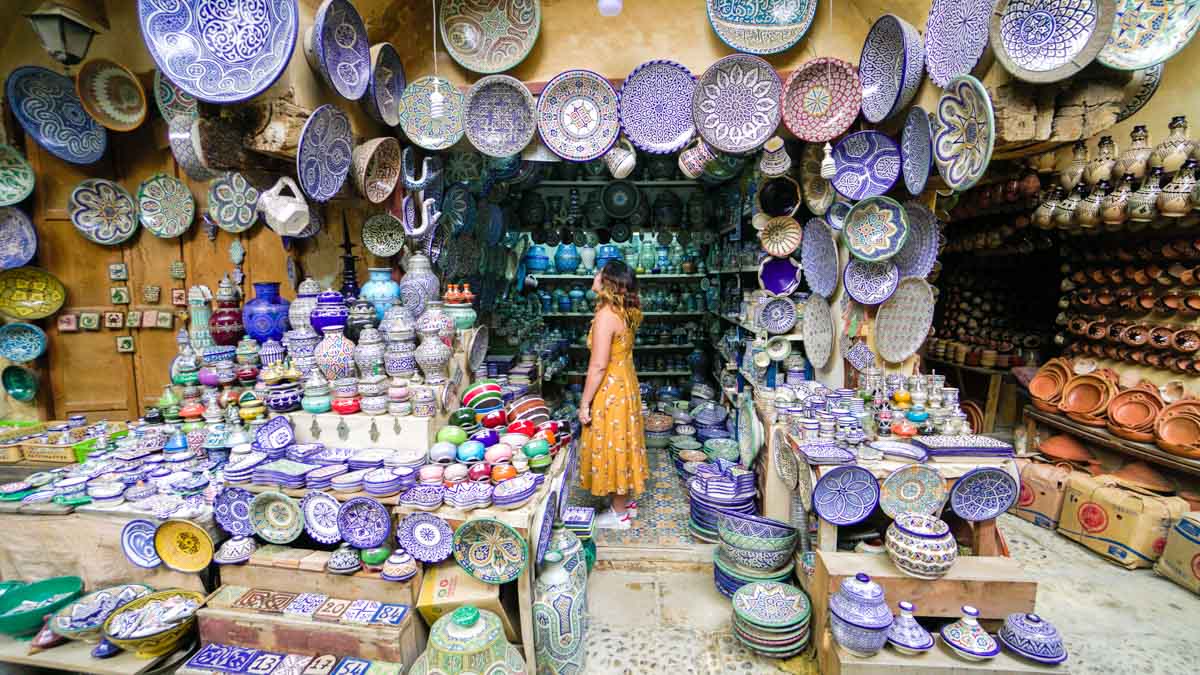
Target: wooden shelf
[(643, 373), (563, 315), (970, 369), (1101, 437), (741, 270), (833, 660), (641, 277), (77, 657)]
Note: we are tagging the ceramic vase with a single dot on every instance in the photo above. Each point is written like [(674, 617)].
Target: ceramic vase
[(463, 315), (1175, 199), (587, 256), (1073, 174), (1175, 148), (266, 316), (559, 619), (1087, 214), (1064, 212), (335, 354), (225, 324), (567, 543), (436, 318), (433, 355), (305, 302), (419, 284), (1043, 215), (536, 259), (1143, 204), (380, 290), (566, 259), (860, 616), (1101, 167), (1136, 157), (360, 316), (368, 353), (605, 253), (398, 322), (921, 546), (399, 358), (330, 311), (199, 312), (1112, 209), (469, 640)]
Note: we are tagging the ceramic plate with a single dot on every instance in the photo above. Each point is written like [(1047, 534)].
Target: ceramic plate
[(183, 546), (18, 239), (819, 257), (846, 495), (964, 133), (383, 235), (781, 236), (499, 116), (231, 509), (336, 47), (818, 193), (419, 124), (786, 464), (544, 525), (771, 605), (1049, 40), (875, 229), (103, 211), (577, 115), (1138, 91), (656, 106), (891, 65), (903, 322), (490, 551), (21, 342), (956, 34), (919, 253), (137, 542), (1148, 32), (276, 517), (835, 217), (821, 99), (620, 198), (779, 276), (818, 331), (913, 489), (736, 103), (172, 101), (220, 52), (426, 537), (490, 36), (111, 94), (30, 293), (868, 165), (778, 315), (386, 85), (324, 156), (870, 283), (761, 26), (321, 516), (232, 202), (165, 206), (364, 522), (983, 494), (16, 176), (916, 150), (179, 135), (49, 110)]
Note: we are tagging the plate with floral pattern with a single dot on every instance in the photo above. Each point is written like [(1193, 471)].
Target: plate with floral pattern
[(49, 110), (778, 315), (426, 537), (868, 165), (819, 257), (818, 330), (919, 253), (489, 36), (965, 133), (656, 106), (903, 322), (324, 156), (870, 283), (577, 115), (276, 517), (18, 238), (1049, 40), (875, 229), (165, 206), (111, 94), (846, 495), (417, 120), (499, 116), (1148, 32), (172, 101), (231, 510), (21, 342), (956, 33), (16, 176), (30, 293), (232, 202), (321, 516), (761, 26), (364, 522), (736, 103), (103, 211), (916, 150), (983, 493), (490, 550), (183, 546), (915, 488), (821, 99)]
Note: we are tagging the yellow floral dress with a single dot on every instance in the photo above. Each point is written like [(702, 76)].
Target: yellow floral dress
[(613, 449)]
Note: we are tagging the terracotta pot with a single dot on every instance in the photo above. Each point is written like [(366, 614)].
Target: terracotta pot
[(1134, 409), (1161, 337), (1066, 447)]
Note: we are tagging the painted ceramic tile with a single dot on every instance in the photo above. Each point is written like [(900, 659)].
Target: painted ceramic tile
[(118, 272), (68, 323), (351, 666), (385, 668), (218, 656), (305, 604), (390, 613), (361, 611), (149, 318), (132, 319), (165, 320), (332, 610), (265, 600), (322, 665), (114, 319), (119, 295), (89, 320), (293, 664), (125, 344), (264, 664)]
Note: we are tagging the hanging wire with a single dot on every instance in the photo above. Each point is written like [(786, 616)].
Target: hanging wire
[(437, 102)]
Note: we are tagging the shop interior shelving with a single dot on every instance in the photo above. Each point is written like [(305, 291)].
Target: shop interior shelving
[(1102, 438)]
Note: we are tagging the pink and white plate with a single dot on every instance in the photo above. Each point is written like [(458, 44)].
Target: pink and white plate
[(821, 99)]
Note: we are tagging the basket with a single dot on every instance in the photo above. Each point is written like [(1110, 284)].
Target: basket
[(150, 646), (29, 621), (13, 430)]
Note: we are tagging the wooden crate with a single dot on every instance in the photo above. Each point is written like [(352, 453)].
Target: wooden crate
[(305, 572), (833, 660)]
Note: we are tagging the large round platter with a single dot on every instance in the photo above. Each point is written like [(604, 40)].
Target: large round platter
[(220, 52), (324, 156), (16, 176), (232, 202), (336, 46), (490, 551), (870, 283), (915, 488), (1138, 91), (321, 516), (818, 331), (779, 276), (919, 253), (916, 150), (819, 257), (821, 99), (499, 116), (111, 94), (656, 106), (172, 101), (868, 165), (778, 315), (21, 342), (577, 115), (165, 206), (890, 66), (383, 235), (386, 85), (781, 236), (418, 122), (231, 509), (736, 103), (364, 522), (1147, 33), (818, 193), (769, 604), (956, 33), (1049, 40), (489, 36), (761, 27), (903, 322), (875, 229), (183, 546), (179, 136), (983, 493), (18, 239), (846, 495), (30, 293), (49, 110), (965, 133), (103, 211), (276, 517), (137, 542), (426, 537)]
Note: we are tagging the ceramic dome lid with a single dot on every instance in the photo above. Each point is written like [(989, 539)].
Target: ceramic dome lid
[(1033, 637), (467, 630), (860, 602)]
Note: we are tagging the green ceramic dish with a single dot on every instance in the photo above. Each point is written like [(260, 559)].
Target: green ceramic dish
[(19, 383), (30, 620)]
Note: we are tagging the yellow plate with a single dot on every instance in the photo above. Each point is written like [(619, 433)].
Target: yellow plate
[(30, 293), (183, 546)]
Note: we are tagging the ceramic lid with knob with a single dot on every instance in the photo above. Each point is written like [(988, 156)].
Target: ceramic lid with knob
[(469, 635), (860, 601), (1033, 637)]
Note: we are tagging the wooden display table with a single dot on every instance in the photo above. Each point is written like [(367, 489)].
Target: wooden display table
[(1101, 437), (833, 660), (77, 657)]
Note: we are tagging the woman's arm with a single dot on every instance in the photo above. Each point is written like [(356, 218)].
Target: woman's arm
[(607, 324)]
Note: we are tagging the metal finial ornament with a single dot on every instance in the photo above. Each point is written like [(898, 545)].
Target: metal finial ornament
[(349, 287)]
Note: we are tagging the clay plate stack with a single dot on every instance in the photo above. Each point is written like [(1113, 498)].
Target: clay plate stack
[(1132, 412), (1046, 387)]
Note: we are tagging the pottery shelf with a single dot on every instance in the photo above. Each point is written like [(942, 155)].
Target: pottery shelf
[(643, 373), (995, 381), (833, 660), (737, 322), (740, 270), (76, 656), (648, 348), (563, 315), (641, 277), (600, 184), (298, 493), (1101, 437)]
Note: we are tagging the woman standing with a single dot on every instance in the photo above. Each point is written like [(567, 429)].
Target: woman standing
[(613, 451)]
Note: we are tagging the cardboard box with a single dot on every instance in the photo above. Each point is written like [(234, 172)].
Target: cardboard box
[(1180, 560), (1043, 489), (1127, 526), (447, 586)]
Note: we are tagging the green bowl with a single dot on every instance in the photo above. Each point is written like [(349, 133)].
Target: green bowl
[(30, 620), (20, 383)]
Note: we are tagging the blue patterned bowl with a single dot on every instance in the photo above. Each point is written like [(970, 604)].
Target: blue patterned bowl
[(890, 66), (21, 342), (336, 47), (756, 526), (761, 26)]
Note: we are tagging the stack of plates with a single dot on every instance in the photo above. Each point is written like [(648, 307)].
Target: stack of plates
[(514, 492), (406, 475), (368, 458), (771, 618), (282, 472), (322, 478), (412, 459), (705, 510), (240, 470), (581, 520), (302, 452), (469, 495), (730, 577), (351, 481), (333, 456), (381, 483)]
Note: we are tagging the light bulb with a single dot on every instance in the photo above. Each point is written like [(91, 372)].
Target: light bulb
[(437, 104), (828, 166), (609, 7)]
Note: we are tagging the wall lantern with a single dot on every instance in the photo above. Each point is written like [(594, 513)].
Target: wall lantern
[(66, 27)]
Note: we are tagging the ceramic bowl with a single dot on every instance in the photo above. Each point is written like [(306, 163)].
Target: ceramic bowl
[(164, 640), (758, 560), (336, 47), (386, 86), (83, 619), (376, 168), (890, 66)]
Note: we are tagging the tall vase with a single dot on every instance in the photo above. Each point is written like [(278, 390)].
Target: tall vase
[(566, 258), (436, 318), (399, 358), (559, 620), (225, 324), (305, 302), (266, 316), (433, 355), (330, 310), (380, 290), (419, 284), (587, 255), (199, 312), (564, 541), (335, 354)]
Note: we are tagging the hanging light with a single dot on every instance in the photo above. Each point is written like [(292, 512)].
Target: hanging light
[(609, 7), (66, 27), (437, 100)]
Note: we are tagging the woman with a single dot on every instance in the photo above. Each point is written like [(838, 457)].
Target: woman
[(613, 452)]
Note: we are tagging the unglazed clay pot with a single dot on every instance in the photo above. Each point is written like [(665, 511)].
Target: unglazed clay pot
[(921, 546)]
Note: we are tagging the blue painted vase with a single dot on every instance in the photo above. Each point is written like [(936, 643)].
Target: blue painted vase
[(605, 253), (331, 311), (567, 259), (536, 259), (266, 316), (380, 290)]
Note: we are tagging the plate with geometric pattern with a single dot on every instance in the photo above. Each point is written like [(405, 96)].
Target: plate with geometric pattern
[(819, 257), (915, 488), (983, 493), (875, 229), (577, 115), (1047, 41), (903, 322), (818, 331), (870, 283)]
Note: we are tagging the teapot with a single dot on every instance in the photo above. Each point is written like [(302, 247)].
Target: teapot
[(287, 214)]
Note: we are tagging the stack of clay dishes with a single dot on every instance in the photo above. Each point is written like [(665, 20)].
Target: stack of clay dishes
[(1132, 412), (1141, 475), (1046, 387), (1177, 428), (1085, 398)]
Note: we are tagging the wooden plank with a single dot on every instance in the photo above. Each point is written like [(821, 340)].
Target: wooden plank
[(833, 660), (1101, 437), (75, 657), (992, 403), (360, 585)]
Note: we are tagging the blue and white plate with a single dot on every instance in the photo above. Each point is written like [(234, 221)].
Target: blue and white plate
[(426, 537), (736, 104), (321, 516), (489, 36), (577, 115), (965, 133), (103, 211), (916, 150), (21, 342), (656, 106), (46, 105), (983, 493), (417, 119), (890, 66), (231, 510), (870, 283), (868, 165), (336, 47), (919, 253), (386, 85), (276, 434), (499, 113), (18, 238), (220, 51), (137, 542), (846, 495), (819, 257), (761, 26), (364, 522), (1047, 41), (233, 202), (324, 157)]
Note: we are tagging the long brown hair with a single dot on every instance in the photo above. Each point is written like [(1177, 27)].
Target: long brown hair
[(619, 291)]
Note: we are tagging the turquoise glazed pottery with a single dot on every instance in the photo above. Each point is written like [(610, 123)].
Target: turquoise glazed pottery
[(380, 290), (761, 26), (566, 259), (468, 640), (19, 383), (23, 610), (559, 619)]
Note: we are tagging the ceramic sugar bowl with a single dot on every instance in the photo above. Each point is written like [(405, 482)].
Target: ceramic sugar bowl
[(860, 616), (968, 639), (921, 546), (468, 640), (1032, 637)]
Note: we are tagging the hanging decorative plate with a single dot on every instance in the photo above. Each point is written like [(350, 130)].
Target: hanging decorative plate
[(846, 495), (1145, 33), (868, 164), (786, 464), (870, 283), (183, 546), (819, 257), (1049, 40), (490, 551), (49, 110), (386, 85), (220, 52), (21, 342), (875, 229), (137, 542), (543, 525), (818, 193), (490, 36), (890, 66), (321, 516), (778, 315), (916, 150), (577, 115), (18, 238), (16, 176), (172, 101), (761, 27), (30, 293), (499, 116), (336, 47), (913, 489), (419, 123), (111, 94), (383, 235), (1138, 91), (781, 236), (656, 106), (179, 136), (835, 217), (736, 103), (903, 321), (779, 276), (165, 206), (232, 202), (620, 198), (103, 211), (231, 509), (426, 537), (364, 522), (956, 34), (919, 253), (964, 133), (983, 493), (324, 156), (821, 99), (459, 209), (818, 331), (276, 517), (860, 356)]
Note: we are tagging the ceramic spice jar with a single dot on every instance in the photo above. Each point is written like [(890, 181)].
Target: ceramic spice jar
[(1175, 149), (1175, 199), (968, 639), (225, 323), (921, 546), (1135, 159), (860, 616), (1112, 207), (906, 634)]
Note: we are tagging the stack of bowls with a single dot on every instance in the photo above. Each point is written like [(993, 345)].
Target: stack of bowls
[(1177, 428), (730, 576), (706, 507), (722, 448), (771, 618), (1085, 398), (1047, 385), (1132, 412), (382, 483), (659, 429), (756, 543)]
